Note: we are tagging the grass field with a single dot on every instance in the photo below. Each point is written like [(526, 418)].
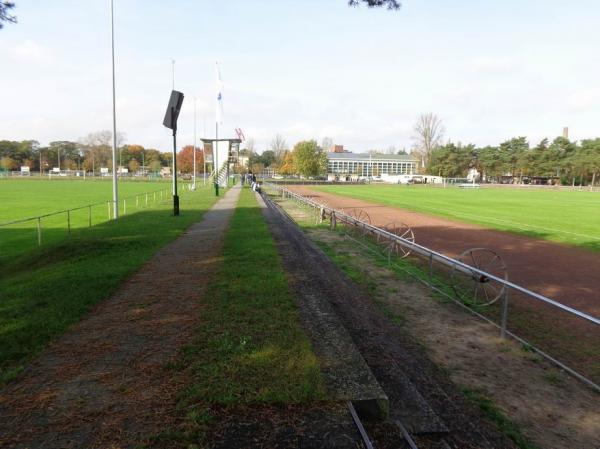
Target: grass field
[(25, 198), (563, 216), (44, 290)]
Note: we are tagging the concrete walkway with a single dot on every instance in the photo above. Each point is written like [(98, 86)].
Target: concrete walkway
[(106, 381)]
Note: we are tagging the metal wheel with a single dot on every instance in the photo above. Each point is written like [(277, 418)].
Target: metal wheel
[(403, 231), (358, 215), (474, 288)]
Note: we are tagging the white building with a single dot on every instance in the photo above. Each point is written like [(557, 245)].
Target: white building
[(352, 166)]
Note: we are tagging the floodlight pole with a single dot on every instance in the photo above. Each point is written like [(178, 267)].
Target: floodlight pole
[(194, 175), (173, 72), (204, 148), (114, 142), (175, 196)]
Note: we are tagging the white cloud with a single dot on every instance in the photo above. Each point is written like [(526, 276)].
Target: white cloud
[(583, 100), (30, 52), (493, 65)]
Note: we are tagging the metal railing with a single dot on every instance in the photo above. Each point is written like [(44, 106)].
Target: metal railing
[(136, 201), (432, 257)]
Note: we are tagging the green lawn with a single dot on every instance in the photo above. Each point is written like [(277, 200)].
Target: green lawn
[(25, 198), (250, 348), (571, 217), (46, 289)]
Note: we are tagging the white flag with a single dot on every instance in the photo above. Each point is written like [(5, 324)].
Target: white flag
[(219, 115)]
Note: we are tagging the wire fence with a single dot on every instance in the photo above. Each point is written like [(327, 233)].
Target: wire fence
[(540, 323), (20, 236)]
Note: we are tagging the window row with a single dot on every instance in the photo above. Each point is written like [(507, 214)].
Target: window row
[(371, 169)]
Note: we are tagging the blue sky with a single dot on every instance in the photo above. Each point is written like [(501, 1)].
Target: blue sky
[(304, 69)]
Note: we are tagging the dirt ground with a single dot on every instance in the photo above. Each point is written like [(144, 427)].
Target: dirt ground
[(106, 382), (567, 274), (553, 409)]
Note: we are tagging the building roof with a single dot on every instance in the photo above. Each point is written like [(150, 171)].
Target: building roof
[(374, 157)]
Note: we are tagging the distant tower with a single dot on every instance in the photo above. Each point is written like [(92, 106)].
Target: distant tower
[(566, 132)]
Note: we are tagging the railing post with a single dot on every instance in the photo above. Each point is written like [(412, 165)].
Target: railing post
[(504, 318), (137, 200), (69, 222), (108, 206), (124, 206), (39, 231), (90, 216), (430, 267)]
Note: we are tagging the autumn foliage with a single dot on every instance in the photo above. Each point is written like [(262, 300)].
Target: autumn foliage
[(185, 160)]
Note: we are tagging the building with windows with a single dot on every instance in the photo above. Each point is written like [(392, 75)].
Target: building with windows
[(352, 166)]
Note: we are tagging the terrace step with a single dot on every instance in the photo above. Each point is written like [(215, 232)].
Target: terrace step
[(347, 375)]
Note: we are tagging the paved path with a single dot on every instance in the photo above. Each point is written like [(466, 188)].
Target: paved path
[(105, 382)]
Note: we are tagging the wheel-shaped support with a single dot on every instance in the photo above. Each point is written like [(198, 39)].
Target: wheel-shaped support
[(403, 231), (475, 288), (356, 215)]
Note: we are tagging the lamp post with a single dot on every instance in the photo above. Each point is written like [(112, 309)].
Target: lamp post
[(114, 140)]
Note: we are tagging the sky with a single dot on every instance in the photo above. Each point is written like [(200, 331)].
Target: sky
[(306, 69)]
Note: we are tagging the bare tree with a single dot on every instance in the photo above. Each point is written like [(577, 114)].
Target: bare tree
[(429, 132), (327, 143), (390, 150), (97, 148), (250, 145), (278, 146)]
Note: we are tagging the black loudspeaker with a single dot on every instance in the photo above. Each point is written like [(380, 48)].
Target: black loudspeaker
[(173, 109)]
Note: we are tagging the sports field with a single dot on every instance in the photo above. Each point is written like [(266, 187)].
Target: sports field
[(26, 198), (571, 217)]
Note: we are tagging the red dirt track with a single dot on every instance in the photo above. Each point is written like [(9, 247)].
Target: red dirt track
[(566, 274)]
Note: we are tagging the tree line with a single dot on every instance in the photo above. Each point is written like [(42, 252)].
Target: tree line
[(90, 154), (515, 160), (306, 158)]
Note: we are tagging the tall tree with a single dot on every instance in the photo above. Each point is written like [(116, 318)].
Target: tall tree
[(5, 15), (287, 166), (429, 132), (185, 159), (327, 143), (278, 147), (250, 145), (308, 160)]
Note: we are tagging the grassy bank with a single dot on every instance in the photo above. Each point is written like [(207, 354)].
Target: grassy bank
[(250, 348), (45, 290)]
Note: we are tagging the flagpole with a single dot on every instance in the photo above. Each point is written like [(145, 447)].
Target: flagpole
[(216, 158), (194, 176)]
